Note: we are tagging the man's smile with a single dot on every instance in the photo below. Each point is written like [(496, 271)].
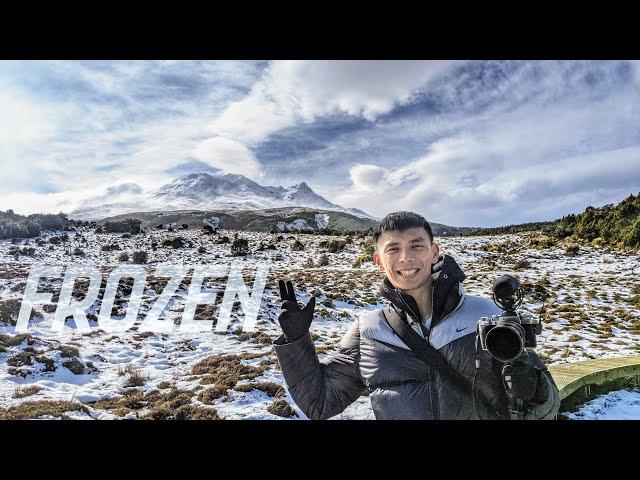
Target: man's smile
[(408, 272)]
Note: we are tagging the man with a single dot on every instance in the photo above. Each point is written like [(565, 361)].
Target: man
[(428, 303)]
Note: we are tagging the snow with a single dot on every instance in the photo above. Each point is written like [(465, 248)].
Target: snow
[(322, 220), (213, 222), (298, 224), (619, 405), (591, 291), (204, 191)]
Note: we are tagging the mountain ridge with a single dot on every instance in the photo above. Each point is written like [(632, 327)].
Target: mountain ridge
[(205, 191)]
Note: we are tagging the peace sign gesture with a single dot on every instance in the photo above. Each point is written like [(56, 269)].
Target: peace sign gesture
[(294, 321)]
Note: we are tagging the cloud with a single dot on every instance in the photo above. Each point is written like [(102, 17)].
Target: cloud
[(191, 165), (572, 144), (81, 124), (301, 91), (368, 177), (229, 156)]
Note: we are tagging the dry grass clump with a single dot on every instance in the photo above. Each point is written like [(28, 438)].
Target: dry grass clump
[(272, 389), (255, 337), (135, 379), (222, 372), (22, 392), (67, 351), (14, 340), (281, 408), (172, 405), (31, 410)]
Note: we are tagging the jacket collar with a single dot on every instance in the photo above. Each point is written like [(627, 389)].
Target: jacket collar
[(447, 292)]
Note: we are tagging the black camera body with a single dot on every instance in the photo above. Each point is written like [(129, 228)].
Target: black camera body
[(505, 336)]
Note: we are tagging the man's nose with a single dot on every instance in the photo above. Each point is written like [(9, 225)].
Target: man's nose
[(406, 256)]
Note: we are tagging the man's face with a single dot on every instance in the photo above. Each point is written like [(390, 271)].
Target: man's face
[(406, 257)]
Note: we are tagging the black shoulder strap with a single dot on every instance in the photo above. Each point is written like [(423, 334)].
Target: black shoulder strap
[(423, 349)]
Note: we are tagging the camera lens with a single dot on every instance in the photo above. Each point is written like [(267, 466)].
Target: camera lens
[(505, 342)]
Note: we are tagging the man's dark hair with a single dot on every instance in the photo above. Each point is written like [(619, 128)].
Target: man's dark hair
[(399, 222)]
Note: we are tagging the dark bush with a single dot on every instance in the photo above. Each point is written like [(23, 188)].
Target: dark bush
[(240, 246), (128, 225), (140, 257)]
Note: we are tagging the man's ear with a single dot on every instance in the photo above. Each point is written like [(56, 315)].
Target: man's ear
[(435, 250), (377, 260)]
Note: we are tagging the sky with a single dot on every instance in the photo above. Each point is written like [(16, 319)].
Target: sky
[(466, 143)]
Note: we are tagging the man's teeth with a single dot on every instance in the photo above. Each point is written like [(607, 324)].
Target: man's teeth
[(413, 271)]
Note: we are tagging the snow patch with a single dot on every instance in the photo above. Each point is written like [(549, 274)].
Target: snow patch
[(322, 220), (298, 224), (620, 405), (212, 222)]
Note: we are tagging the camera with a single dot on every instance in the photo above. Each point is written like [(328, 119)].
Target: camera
[(505, 336)]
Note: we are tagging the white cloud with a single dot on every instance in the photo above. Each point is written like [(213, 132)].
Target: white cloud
[(229, 156), (295, 90), (516, 162), (368, 177)]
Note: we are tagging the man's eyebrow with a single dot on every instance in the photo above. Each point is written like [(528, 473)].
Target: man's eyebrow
[(418, 239), (392, 244)]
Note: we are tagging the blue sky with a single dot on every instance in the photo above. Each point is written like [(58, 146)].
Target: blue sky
[(463, 143)]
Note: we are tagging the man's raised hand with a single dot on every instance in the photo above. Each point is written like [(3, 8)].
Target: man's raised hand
[(294, 321)]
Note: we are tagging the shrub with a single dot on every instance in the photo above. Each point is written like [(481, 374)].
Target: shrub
[(333, 246), (240, 246), (140, 257), (75, 365), (123, 257), (572, 249), (323, 260), (67, 351), (128, 225), (176, 242), (297, 246)]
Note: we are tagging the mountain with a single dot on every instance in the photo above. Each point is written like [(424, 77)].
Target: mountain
[(205, 191)]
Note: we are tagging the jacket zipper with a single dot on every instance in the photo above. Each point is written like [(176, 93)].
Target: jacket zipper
[(432, 377)]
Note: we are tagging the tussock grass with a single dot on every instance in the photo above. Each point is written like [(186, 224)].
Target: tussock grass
[(281, 408), (36, 409), (272, 389), (22, 392)]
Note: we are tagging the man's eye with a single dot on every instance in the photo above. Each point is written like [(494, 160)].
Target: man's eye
[(418, 246), (392, 250)]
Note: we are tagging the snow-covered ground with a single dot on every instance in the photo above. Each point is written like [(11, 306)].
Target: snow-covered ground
[(590, 302), (620, 405)]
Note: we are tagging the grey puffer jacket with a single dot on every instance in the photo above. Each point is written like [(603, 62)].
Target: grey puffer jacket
[(373, 359)]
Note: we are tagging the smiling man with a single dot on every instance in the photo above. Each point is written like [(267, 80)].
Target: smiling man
[(417, 358)]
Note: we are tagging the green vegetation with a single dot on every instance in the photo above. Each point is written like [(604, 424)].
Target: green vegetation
[(13, 225), (366, 253), (614, 225)]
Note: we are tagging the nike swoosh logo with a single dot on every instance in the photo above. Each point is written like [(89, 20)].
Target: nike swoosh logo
[(460, 329)]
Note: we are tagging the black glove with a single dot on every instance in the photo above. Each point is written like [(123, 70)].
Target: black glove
[(293, 320), (524, 382)]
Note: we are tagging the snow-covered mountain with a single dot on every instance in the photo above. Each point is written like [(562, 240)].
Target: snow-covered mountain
[(205, 191)]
